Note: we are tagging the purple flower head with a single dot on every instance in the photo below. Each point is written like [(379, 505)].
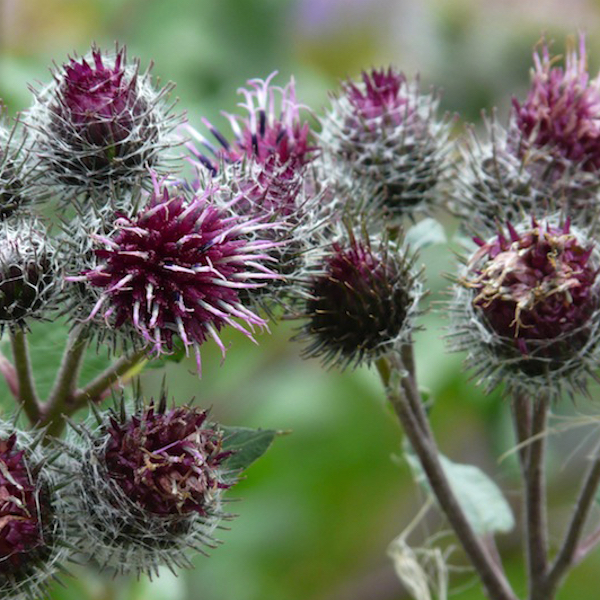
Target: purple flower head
[(24, 512), (148, 484), (561, 113), (177, 268), (101, 122), (382, 134), (272, 133), (100, 100), (167, 461), (380, 95), (531, 300), (266, 166), (30, 535), (360, 302)]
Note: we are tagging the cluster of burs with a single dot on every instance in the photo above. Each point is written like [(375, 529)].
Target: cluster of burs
[(150, 235)]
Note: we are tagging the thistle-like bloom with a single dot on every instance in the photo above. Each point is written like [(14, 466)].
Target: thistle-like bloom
[(267, 164), (383, 134), (528, 308), (273, 130), (360, 303), (30, 277), (30, 531), (561, 113), (16, 173), (505, 177), (176, 269), (493, 184), (147, 486), (100, 123)]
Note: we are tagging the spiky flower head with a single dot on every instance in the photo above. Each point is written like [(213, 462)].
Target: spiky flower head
[(360, 303), (383, 133), (147, 486), (499, 181), (31, 538), (528, 307), (268, 165), (561, 113), (30, 276), (16, 170), (272, 132), (100, 123), (176, 269)]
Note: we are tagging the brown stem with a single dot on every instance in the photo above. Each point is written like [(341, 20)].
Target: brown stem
[(535, 500), (409, 409), (530, 420)]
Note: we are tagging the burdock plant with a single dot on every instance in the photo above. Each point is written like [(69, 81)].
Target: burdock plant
[(143, 257)]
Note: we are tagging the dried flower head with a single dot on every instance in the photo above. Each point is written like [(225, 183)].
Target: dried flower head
[(100, 123), (148, 486), (176, 269), (528, 306), (30, 277), (382, 133), (360, 303), (30, 530), (561, 113)]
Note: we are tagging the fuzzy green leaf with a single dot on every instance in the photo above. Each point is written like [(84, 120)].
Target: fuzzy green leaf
[(248, 445), (480, 498)]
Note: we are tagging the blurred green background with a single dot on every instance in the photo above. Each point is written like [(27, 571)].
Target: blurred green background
[(320, 508)]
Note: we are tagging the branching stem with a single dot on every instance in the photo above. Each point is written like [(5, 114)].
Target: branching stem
[(93, 391), (411, 413)]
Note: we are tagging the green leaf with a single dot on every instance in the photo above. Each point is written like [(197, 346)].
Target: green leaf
[(247, 444), (425, 233), (480, 498)]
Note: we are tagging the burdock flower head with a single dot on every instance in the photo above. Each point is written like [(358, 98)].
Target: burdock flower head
[(267, 165), (30, 530), (16, 170), (100, 123), (272, 133), (147, 486), (527, 306), (176, 269), (360, 303), (382, 132), (547, 158), (30, 276), (561, 113)]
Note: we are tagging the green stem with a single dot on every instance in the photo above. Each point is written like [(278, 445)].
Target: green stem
[(27, 394), (411, 413), (93, 391), (65, 382)]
